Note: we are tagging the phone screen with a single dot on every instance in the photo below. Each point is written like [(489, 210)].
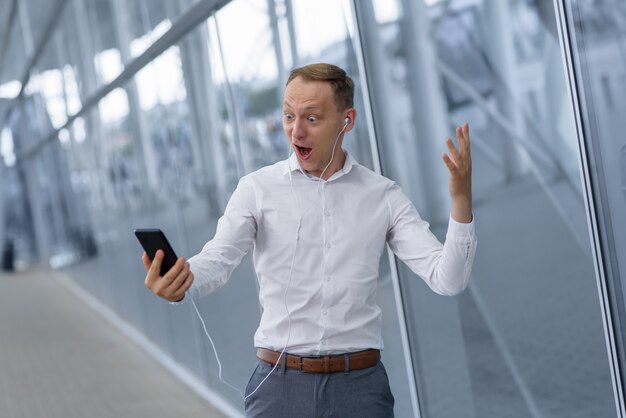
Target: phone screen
[(154, 239)]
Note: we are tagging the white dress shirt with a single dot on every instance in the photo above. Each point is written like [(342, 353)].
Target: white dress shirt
[(337, 230)]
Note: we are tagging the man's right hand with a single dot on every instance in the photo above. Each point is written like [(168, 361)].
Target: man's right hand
[(173, 285)]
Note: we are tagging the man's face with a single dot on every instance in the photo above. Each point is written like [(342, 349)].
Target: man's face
[(311, 121)]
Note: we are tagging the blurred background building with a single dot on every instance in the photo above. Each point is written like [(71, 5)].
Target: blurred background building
[(118, 114)]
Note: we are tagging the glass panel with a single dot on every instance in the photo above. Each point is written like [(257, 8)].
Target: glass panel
[(175, 183), (600, 65), (526, 338), (251, 82)]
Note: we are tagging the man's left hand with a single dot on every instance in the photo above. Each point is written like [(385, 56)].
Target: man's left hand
[(459, 163)]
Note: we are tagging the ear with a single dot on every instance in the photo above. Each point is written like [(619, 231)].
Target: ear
[(349, 114)]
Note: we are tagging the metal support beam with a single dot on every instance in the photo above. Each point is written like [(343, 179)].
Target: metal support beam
[(7, 25), (26, 132), (197, 14), (87, 73), (142, 144), (39, 47), (204, 114), (428, 107), (293, 44), (501, 51), (278, 50), (78, 213)]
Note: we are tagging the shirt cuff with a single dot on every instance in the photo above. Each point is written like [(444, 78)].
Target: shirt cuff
[(180, 302), (458, 230)]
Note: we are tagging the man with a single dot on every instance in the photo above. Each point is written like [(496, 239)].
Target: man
[(318, 223)]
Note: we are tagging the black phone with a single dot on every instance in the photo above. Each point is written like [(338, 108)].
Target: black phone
[(154, 239)]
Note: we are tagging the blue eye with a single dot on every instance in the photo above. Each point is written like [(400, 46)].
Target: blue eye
[(312, 118), (288, 116)]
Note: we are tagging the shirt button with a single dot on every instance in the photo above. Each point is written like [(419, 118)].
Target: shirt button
[(328, 245), (326, 213), (327, 278), (324, 312), (324, 342)]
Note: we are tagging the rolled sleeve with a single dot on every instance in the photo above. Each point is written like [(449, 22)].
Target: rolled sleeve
[(236, 231), (459, 231), (446, 268)]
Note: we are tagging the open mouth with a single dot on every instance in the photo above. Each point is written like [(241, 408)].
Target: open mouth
[(304, 152)]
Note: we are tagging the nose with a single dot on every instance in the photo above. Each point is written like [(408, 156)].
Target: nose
[(297, 130)]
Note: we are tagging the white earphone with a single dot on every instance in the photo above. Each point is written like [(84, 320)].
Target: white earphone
[(347, 122)]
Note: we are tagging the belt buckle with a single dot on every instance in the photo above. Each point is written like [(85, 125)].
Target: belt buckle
[(302, 358)]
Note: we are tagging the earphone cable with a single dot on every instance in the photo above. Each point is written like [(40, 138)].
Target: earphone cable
[(319, 181), (219, 364), (293, 260)]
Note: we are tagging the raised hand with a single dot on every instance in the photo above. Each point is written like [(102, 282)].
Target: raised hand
[(459, 163)]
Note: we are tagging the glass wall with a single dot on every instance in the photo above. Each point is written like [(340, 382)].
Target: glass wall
[(166, 148), (598, 42), (507, 346)]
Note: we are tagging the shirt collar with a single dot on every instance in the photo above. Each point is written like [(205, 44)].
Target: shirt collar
[(292, 164)]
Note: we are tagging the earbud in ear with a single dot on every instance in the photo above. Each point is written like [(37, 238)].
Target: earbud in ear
[(347, 120)]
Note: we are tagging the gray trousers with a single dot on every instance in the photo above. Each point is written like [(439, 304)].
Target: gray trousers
[(290, 393)]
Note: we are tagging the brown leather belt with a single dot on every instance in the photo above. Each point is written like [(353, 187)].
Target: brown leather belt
[(324, 364)]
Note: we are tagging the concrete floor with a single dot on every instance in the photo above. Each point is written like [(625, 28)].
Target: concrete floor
[(58, 358)]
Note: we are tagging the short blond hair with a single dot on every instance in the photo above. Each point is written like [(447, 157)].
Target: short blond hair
[(341, 83)]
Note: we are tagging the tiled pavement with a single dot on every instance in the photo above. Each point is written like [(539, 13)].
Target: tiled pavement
[(58, 358)]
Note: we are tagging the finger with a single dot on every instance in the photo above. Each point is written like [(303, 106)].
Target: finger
[(462, 134), (451, 166), (454, 153), (175, 270), (154, 270), (178, 280), (150, 276), (155, 267), (146, 261), (467, 138), (162, 284), (178, 295)]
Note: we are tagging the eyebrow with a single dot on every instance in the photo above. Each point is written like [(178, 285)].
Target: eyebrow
[(310, 107)]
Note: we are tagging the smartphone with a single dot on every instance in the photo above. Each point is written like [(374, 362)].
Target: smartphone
[(154, 239)]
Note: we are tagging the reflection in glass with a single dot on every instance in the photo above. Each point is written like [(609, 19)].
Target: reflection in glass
[(507, 344)]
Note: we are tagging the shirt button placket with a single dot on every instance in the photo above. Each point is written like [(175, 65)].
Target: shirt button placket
[(326, 290)]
